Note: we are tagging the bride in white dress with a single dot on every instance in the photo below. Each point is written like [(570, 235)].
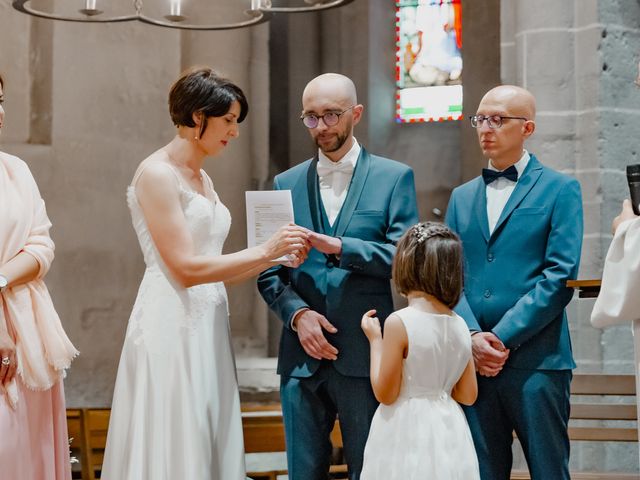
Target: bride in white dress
[(176, 407)]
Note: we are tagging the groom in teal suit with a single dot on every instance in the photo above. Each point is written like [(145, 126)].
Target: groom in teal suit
[(356, 206), (521, 228)]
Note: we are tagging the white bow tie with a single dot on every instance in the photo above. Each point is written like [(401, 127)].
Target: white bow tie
[(328, 168)]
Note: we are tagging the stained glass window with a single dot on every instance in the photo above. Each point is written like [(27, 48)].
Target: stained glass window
[(428, 60)]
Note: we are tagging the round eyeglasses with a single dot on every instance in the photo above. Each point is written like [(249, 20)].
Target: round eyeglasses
[(330, 118), (494, 121)]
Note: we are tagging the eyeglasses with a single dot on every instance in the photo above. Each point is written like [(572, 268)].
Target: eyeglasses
[(330, 118), (494, 121)]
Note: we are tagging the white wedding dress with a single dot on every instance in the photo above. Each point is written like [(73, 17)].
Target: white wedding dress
[(176, 407)]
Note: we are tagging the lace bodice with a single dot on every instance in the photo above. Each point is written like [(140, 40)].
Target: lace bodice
[(208, 221)]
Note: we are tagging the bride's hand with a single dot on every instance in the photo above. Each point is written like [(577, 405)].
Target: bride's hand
[(290, 239), (297, 258)]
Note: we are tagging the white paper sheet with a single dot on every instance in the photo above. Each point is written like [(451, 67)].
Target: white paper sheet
[(267, 211)]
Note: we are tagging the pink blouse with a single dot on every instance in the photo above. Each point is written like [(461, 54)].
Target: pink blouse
[(43, 349)]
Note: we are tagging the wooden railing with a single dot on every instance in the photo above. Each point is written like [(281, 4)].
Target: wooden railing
[(600, 413)]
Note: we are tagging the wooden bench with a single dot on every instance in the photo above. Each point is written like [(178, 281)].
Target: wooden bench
[(604, 419), (263, 429), (262, 425), (263, 433), (91, 439), (75, 431), (601, 420)]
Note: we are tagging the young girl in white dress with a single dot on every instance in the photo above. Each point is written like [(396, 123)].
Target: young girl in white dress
[(422, 367)]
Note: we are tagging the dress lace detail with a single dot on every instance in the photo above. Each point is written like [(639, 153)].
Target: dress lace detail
[(208, 222)]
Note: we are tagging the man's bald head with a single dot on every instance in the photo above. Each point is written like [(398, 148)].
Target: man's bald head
[(336, 94), (337, 87), (516, 108), (517, 100)]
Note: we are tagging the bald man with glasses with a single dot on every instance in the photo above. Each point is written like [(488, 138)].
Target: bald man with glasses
[(357, 206), (520, 223)]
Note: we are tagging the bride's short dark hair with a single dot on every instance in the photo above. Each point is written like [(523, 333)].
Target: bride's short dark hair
[(429, 259), (201, 90)]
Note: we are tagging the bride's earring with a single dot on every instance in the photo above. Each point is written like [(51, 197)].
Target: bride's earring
[(198, 126)]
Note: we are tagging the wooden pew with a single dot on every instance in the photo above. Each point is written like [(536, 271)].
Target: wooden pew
[(263, 429), (263, 432), (96, 423), (602, 420), (75, 430), (88, 428)]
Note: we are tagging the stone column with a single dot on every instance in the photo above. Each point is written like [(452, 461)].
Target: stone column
[(579, 59), (481, 71)]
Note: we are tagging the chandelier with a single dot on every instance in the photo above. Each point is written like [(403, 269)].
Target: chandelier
[(181, 14)]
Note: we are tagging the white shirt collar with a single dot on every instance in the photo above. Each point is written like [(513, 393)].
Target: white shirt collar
[(520, 164), (350, 157)]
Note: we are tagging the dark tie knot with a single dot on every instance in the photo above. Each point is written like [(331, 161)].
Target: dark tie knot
[(489, 175)]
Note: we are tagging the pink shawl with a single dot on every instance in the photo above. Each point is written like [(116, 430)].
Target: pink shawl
[(43, 349)]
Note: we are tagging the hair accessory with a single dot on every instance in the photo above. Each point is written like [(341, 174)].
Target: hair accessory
[(424, 231), (419, 232)]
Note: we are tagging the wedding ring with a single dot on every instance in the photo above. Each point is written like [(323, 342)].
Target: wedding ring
[(6, 361)]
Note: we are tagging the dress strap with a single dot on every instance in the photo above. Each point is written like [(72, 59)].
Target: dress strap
[(209, 182), (142, 168)]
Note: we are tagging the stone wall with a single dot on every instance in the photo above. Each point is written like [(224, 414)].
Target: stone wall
[(579, 58), (84, 105)]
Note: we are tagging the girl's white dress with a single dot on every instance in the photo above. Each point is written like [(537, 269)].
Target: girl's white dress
[(176, 406), (424, 433)]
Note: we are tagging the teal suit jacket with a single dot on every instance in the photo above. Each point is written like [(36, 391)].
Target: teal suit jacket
[(380, 206), (515, 278)]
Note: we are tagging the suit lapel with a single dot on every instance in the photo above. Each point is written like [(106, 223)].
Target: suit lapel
[(353, 194), (529, 178), (316, 209), (480, 205), (301, 203)]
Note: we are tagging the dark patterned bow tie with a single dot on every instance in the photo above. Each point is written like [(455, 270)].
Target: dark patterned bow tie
[(490, 175)]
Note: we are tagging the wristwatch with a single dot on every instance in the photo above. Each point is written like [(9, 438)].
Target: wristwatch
[(3, 283)]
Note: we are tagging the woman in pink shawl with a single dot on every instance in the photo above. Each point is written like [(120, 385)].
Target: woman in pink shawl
[(34, 350)]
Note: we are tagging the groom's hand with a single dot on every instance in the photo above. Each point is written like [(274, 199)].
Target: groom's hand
[(309, 325), (325, 244)]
